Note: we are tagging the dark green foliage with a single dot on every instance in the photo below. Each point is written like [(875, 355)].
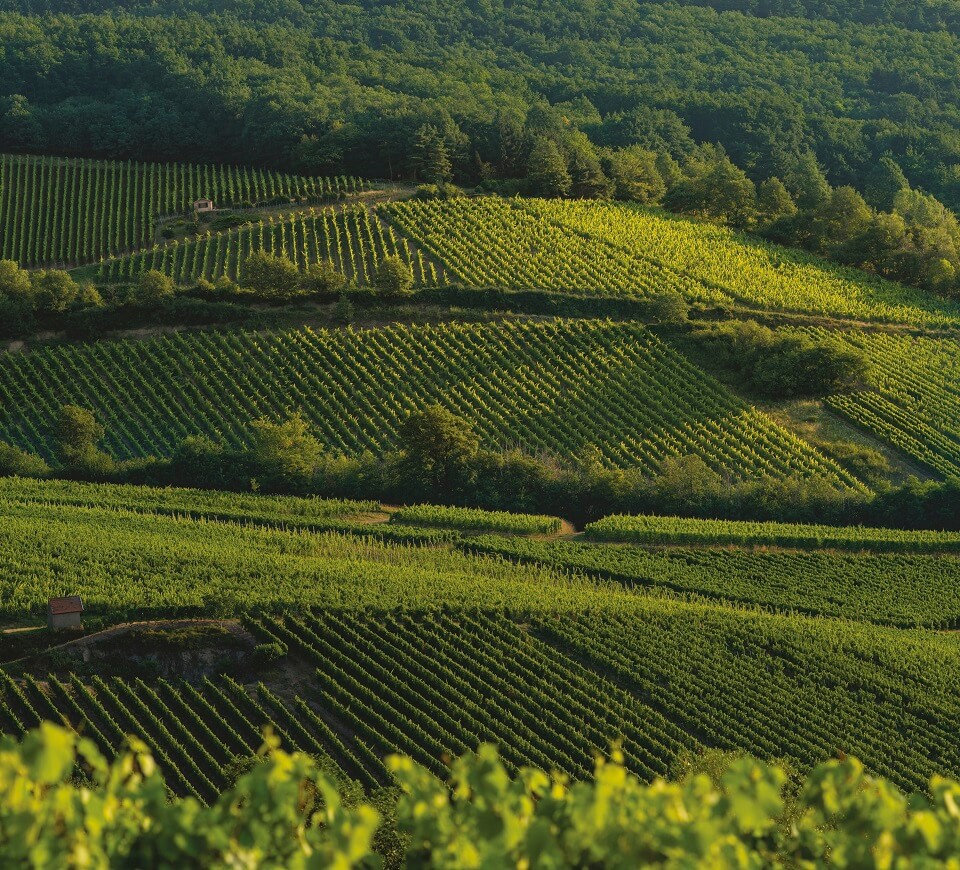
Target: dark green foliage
[(444, 190), (883, 182), (438, 450), (284, 456), (668, 306), (393, 278), (547, 171), (14, 461), (774, 202), (323, 279), (343, 311), (52, 290), (635, 175), (265, 653), (430, 158), (153, 288), (270, 276), (785, 364), (76, 432)]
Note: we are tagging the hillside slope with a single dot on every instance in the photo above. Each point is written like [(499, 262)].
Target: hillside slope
[(550, 387), (380, 637)]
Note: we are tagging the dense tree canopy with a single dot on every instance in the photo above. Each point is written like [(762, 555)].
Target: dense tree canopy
[(333, 86)]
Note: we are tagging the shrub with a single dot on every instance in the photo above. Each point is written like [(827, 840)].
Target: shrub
[(668, 306), (270, 276), (323, 279), (265, 653), (153, 288), (14, 461), (393, 278), (781, 364), (343, 310)]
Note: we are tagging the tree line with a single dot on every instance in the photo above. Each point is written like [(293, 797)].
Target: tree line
[(440, 460), (327, 88)]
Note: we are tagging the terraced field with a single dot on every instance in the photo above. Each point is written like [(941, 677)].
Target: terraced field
[(520, 383)]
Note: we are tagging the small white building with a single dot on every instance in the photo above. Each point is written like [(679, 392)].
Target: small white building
[(202, 205), (65, 612)]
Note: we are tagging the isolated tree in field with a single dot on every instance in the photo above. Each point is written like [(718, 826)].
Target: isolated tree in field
[(431, 160), (393, 278), (154, 287), (76, 433), (323, 278), (437, 448), (285, 452), (343, 310), (547, 169), (270, 276), (14, 281), (53, 290)]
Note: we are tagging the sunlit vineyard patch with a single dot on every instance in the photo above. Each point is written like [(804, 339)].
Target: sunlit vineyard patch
[(550, 388)]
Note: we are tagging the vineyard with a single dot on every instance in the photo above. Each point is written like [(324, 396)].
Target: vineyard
[(752, 272), (615, 249), (493, 242), (57, 211), (353, 238), (548, 648), (915, 403), (900, 589), (519, 383), (468, 519), (193, 567), (685, 530), (666, 680)]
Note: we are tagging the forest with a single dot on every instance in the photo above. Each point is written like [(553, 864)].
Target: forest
[(327, 87)]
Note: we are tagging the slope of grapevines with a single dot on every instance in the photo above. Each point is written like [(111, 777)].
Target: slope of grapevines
[(352, 237), (549, 387), (59, 211), (491, 241), (749, 270), (664, 679), (430, 650), (887, 588), (915, 402), (617, 249), (197, 733)]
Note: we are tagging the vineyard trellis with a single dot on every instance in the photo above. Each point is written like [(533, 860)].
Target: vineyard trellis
[(549, 387), (353, 238), (58, 211)]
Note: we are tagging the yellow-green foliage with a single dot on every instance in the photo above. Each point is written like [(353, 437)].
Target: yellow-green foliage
[(285, 813), (741, 268)]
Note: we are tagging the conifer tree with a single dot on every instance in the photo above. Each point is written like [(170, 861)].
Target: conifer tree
[(547, 169), (431, 160)]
